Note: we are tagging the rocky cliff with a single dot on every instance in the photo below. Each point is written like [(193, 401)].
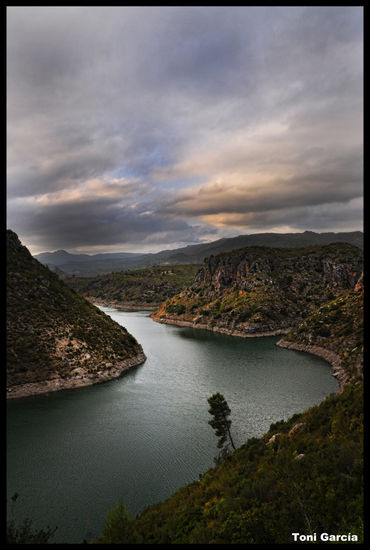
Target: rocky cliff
[(257, 291), (335, 332), (55, 338)]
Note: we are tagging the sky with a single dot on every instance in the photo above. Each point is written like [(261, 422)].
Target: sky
[(140, 129)]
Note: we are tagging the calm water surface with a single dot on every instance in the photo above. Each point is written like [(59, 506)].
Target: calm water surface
[(73, 454)]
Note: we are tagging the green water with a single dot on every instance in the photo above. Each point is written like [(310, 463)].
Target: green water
[(72, 455)]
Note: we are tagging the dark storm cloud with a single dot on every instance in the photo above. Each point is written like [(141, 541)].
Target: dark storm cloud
[(101, 222), (261, 106)]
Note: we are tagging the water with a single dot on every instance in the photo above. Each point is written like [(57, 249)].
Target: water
[(72, 455)]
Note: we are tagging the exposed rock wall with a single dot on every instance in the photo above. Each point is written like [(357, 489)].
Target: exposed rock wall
[(260, 290)]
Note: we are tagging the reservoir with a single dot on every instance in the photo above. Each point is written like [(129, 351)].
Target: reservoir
[(72, 455)]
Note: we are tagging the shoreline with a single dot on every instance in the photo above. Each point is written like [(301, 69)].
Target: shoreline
[(122, 306), (331, 357), (221, 330), (89, 379)]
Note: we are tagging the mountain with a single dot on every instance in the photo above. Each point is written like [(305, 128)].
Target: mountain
[(258, 290), (305, 475), (55, 338), (85, 265), (60, 257), (136, 289)]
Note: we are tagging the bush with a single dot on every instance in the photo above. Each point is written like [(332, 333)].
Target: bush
[(323, 331), (177, 309)]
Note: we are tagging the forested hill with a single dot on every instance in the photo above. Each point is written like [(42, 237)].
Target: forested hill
[(53, 334), (258, 290), (141, 288)]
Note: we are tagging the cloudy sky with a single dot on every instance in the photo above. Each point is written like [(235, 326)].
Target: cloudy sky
[(145, 128)]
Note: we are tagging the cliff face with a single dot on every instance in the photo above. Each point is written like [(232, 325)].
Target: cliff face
[(254, 267), (255, 291), (55, 335)]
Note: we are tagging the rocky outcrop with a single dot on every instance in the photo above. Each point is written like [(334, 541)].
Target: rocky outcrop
[(261, 291), (249, 269)]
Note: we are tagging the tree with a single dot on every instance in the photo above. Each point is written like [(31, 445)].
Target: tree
[(119, 527), (220, 422)]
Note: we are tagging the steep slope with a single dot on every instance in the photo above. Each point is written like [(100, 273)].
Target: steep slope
[(257, 291), (335, 332), (139, 289), (55, 338), (305, 475)]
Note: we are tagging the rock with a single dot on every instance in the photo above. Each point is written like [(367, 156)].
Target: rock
[(296, 427), (273, 439)]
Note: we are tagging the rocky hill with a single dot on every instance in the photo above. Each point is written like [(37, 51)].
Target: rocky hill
[(258, 291), (335, 332), (138, 289), (55, 338)]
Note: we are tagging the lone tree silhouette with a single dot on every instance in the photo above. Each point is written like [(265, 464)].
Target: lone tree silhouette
[(220, 422)]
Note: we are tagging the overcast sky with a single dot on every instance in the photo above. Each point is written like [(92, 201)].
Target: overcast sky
[(145, 128)]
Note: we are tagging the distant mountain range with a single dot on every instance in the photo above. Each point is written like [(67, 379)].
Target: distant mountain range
[(62, 257), (98, 264)]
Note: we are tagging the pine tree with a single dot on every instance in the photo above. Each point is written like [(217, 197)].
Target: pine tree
[(220, 422)]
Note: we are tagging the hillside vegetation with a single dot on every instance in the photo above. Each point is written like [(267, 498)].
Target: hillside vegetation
[(335, 331), (144, 288), (52, 332), (305, 475), (259, 290)]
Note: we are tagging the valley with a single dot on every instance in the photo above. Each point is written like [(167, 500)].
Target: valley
[(302, 466)]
